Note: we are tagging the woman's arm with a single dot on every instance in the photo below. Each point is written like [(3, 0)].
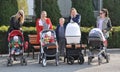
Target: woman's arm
[(77, 19), (109, 25)]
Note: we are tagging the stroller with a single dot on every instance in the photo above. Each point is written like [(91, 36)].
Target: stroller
[(96, 45), (73, 46), (49, 47), (16, 47)]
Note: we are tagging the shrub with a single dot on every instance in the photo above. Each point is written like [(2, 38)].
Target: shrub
[(113, 41)]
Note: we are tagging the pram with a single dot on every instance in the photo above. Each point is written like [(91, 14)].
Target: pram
[(73, 46), (96, 45), (49, 47), (16, 47)]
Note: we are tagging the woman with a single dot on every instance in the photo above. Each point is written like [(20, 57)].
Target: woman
[(74, 16), (16, 21), (42, 24), (104, 22)]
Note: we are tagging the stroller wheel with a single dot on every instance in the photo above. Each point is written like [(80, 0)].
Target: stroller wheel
[(99, 60), (44, 63), (81, 59), (39, 58), (9, 62), (57, 59), (90, 59), (70, 60), (23, 61), (107, 58)]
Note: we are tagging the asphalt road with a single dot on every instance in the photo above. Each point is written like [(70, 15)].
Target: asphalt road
[(33, 66)]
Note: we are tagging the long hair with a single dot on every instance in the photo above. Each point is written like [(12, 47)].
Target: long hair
[(74, 10), (106, 12), (22, 17)]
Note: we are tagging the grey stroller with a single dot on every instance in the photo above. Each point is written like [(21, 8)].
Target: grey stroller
[(96, 46), (49, 47)]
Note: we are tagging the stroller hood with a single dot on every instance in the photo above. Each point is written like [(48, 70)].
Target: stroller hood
[(96, 34), (73, 33), (15, 33)]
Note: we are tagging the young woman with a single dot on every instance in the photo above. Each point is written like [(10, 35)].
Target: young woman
[(16, 21), (74, 16), (104, 22), (42, 23)]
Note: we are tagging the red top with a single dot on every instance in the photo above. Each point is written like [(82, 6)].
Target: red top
[(39, 27)]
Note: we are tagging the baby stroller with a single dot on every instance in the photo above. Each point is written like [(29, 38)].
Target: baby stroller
[(96, 45), (73, 46), (49, 47), (16, 47)]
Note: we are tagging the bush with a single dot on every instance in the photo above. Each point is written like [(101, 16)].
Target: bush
[(113, 7), (51, 7), (85, 8), (113, 41), (7, 9)]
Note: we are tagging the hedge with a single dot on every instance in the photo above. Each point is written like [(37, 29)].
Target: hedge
[(113, 40)]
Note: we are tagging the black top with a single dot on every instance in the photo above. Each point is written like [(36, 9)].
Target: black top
[(14, 24), (76, 19)]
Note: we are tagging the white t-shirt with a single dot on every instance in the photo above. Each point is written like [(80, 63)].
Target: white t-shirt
[(100, 23)]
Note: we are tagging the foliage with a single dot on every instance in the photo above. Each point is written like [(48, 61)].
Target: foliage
[(113, 7), (7, 9), (85, 8), (51, 7)]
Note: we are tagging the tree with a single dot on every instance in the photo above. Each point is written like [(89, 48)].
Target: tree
[(7, 9), (51, 7), (113, 7), (85, 8)]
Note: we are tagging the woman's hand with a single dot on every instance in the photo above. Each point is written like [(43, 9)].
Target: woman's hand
[(104, 31)]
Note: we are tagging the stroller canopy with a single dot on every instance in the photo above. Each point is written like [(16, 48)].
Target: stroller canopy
[(73, 33), (15, 33), (96, 33)]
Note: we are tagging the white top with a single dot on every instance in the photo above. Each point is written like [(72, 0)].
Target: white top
[(100, 23)]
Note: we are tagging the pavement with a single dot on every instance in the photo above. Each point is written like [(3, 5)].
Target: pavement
[(33, 66)]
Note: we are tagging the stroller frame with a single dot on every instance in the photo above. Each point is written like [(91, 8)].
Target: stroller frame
[(23, 61), (96, 46), (48, 51)]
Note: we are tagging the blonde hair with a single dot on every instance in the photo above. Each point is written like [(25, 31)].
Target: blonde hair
[(44, 12), (73, 9), (22, 17), (62, 19)]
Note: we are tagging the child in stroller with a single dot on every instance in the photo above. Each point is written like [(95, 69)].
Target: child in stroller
[(97, 44), (16, 47), (49, 47)]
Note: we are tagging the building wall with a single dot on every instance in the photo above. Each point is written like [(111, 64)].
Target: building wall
[(65, 6)]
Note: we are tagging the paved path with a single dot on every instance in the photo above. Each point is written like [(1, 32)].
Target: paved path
[(33, 66)]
